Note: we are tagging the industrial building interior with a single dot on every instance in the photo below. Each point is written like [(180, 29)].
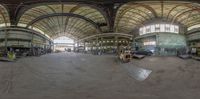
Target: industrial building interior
[(99, 49)]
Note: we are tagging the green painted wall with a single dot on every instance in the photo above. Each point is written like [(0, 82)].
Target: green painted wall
[(169, 43), (166, 43), (170, 40)]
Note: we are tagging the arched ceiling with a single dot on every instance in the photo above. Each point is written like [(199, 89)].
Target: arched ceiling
[(57, 25), (135, 14), (53, 19), (80, 19), (4, 17)]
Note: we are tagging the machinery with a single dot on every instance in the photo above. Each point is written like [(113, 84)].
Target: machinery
[(7, 55), (124, 54)]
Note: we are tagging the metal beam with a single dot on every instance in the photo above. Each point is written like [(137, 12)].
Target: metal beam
[(185, 12), (135, 5), (104, 34), (64, 14)]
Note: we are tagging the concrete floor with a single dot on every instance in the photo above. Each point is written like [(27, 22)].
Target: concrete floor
[(79, 76)]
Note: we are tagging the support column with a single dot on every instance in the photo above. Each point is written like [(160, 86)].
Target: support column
[(6, 40), (97, 43), (84, 45), (92, 46), (78, 45), (32, 50), (130, 41), (51, 45), (101, 44), (116, 43), (45, 46), (74, 47), (158, 49)]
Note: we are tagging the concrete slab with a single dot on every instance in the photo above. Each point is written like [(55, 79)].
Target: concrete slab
[(80, 76)]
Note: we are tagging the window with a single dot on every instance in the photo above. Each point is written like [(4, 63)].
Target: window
[(141, 30), (150, 43), (4, 24), (176, 29), (148, 29), (162, 28), (172, 28), (144, 30), (194, 27), (167, 28), (159, 28), (152, 28)]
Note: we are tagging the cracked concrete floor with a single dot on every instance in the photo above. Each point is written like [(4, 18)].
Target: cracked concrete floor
[(82, 76)]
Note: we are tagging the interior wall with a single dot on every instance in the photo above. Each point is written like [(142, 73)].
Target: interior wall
[(18, 37), (170, 40), (169, 43), (166, 43), (193, 40), (141, 46)]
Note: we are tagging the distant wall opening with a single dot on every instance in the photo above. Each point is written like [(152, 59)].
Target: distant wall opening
[(63, 43)]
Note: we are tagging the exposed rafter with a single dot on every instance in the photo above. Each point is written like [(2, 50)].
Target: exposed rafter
[(64, 14), (106, 34), (57, 16)]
